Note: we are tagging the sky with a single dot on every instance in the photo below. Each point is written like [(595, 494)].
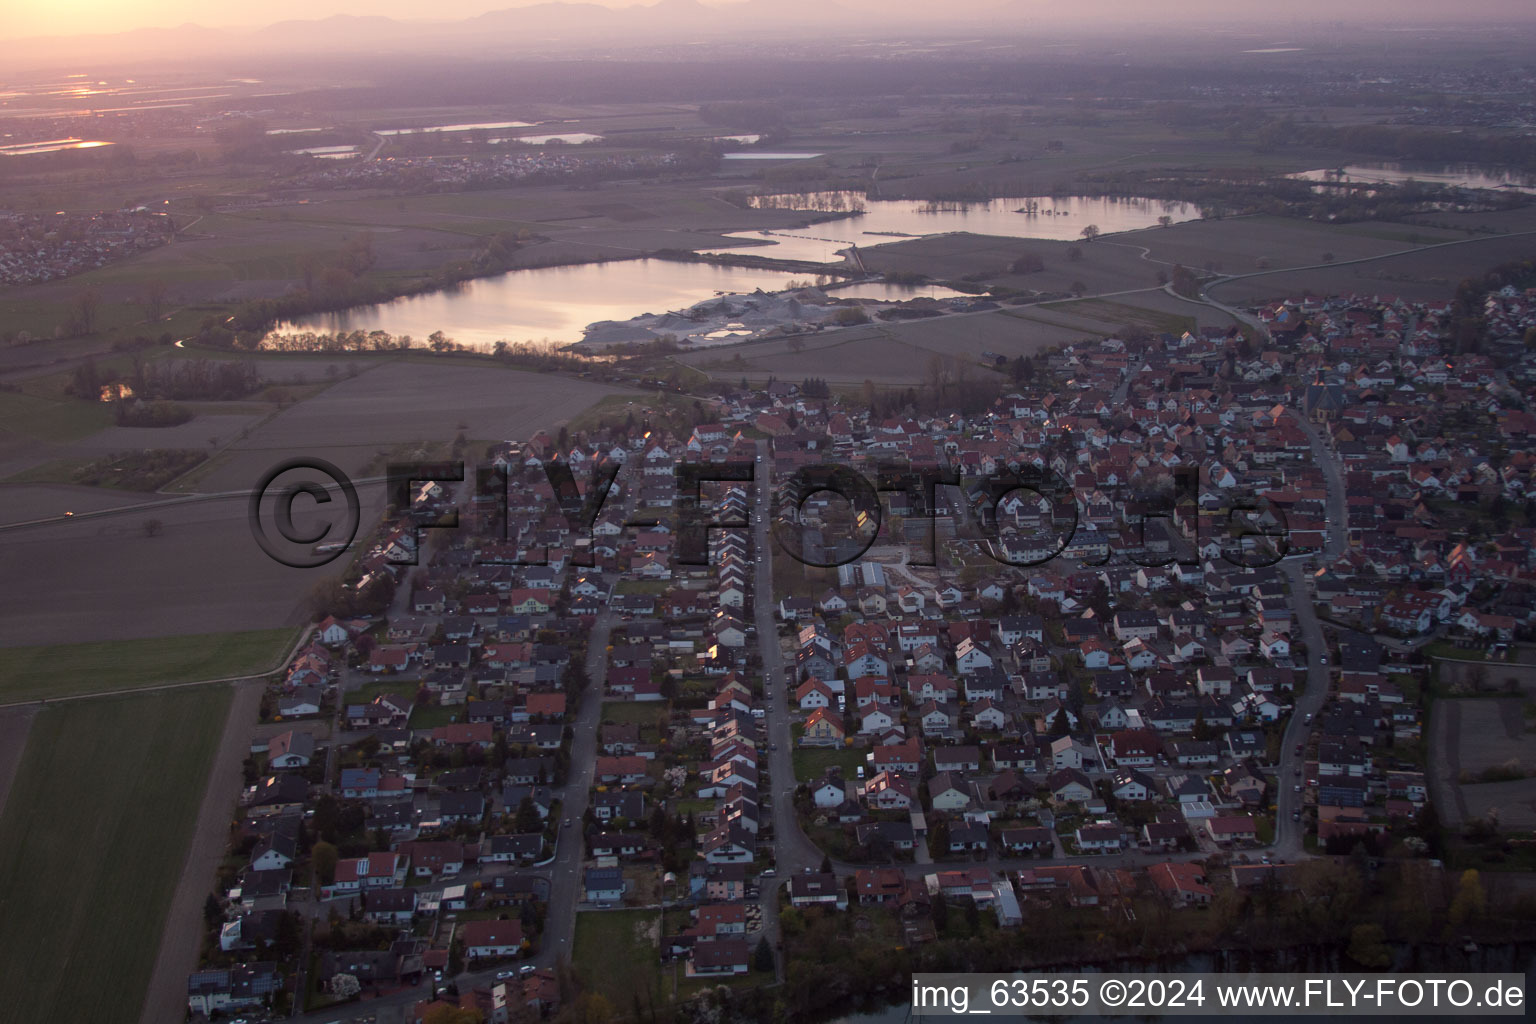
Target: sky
[(24, 18)]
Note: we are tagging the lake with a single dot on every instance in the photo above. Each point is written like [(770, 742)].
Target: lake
[(549, 303), (476, 126), (878, 221), (765, 155), (880, 291), (1459, 175)]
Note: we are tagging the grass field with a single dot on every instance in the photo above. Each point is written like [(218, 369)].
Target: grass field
[(623, 712), (92, 843), (46, 420), (618, 955), (368, 691), (59, 670), (811, 763)]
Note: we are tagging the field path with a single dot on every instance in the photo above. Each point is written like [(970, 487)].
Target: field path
[(15, 723), (182, 937)]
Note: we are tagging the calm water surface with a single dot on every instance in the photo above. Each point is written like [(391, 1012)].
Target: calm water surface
[(548, 304), (1460, 175), (878, 221)]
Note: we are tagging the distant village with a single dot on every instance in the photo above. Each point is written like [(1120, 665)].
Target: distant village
[(547, 723), (37, 247)]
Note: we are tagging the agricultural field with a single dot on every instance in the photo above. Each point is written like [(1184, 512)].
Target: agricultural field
[(191, 567), (87, 870), (62, 670), (1098, 266), (146, 470), (130, 578), (1424, 274)]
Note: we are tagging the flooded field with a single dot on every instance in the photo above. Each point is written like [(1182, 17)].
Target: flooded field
[(1459, 175), (876, 221)]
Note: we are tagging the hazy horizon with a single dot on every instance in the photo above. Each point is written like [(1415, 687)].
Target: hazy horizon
[(65, 18)]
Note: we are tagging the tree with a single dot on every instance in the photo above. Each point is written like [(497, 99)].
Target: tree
[(155, 290), (528, 816), (86, 304), (1165, 221), (1327, 257), (1090, 232), (938, 907), (826, 864), (1029, 263), (1470, 901), (797, 344), (762, 956), (1185, 282), (152, 527), (1078, 288), (1074, 254), (346, 986), (1368, 946), (324, 857), (213, 913)]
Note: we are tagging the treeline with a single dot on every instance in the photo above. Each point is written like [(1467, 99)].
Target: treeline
[(1468, 327), (1239, 193), (1406, 143), (180, 380), (335, 282)]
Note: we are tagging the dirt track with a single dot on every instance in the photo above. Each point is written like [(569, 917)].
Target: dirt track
[(166, 1000)]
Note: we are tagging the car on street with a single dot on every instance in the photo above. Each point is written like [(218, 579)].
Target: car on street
[(566, 823), (504, 975), (1298, 788), (1295, 815)]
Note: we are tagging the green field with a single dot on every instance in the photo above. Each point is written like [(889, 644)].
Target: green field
[(368, 691), (618, 955), (642, 712), (47, 420), (92, 843), (60, 670), (811, 763)]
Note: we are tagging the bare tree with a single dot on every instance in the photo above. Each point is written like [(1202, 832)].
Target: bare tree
[(155, 291), (152, 527), (1090, 232), (85, 310)]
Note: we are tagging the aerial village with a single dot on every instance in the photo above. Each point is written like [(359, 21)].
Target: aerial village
[(1081, 700)]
